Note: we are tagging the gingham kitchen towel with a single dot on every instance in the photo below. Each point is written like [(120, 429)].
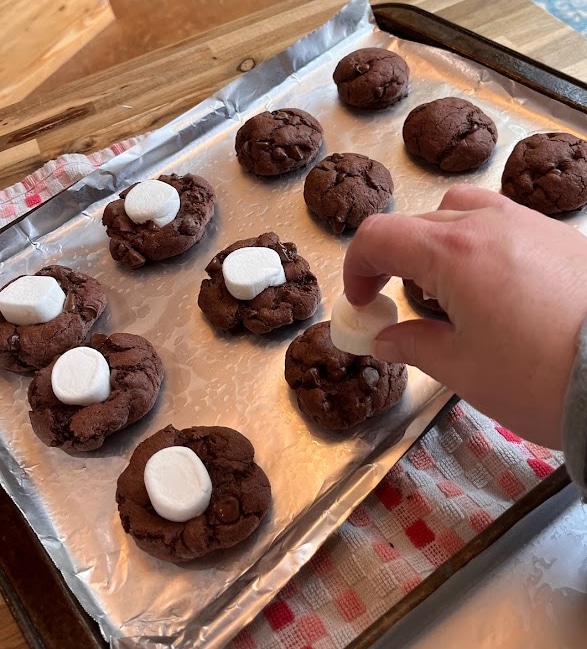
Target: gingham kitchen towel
[(464, 473)]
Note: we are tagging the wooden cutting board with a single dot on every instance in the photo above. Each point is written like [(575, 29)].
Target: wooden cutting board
[(38, 36)]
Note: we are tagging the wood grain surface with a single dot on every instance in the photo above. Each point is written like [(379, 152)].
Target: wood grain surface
[(140, 95), (38, 37)]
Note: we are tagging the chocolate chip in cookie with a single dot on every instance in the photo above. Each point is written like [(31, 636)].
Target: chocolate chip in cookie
[(240, 497), (136, 374), (27, 348), (275, 306), (345, 188), (277, 142), (338, 390), (135, 244), (548, 173), (451, 133), (372, 78)]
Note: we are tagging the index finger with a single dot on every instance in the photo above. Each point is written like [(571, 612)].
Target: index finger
[(387, 245)]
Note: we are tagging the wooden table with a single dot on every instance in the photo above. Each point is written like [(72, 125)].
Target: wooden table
[(147, 92)]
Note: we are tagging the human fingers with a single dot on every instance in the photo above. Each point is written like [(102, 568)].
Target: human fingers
[(463, 197), (384, 245), (430, 345)]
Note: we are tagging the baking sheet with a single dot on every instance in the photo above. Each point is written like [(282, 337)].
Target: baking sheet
[(227, 380)]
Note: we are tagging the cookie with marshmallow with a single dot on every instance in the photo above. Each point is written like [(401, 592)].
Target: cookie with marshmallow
[(158, 218), (336, 389), (258, 285), (186, 493), (45, 314), (93, 391)]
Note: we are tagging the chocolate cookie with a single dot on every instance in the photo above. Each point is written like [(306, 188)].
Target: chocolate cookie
[(426, 304), (345, 188), (372, 78), (27, 348), (274, 143), (547, 172), (452, 133), (274, 307), (339, 390), (134, 244), (136, 373), (241, 495)]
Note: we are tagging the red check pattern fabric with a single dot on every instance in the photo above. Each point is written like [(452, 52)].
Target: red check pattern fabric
[(454, 482), (55, 176), (464, 473)]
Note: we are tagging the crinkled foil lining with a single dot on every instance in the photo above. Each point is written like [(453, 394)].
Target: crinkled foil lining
[(237, 381)]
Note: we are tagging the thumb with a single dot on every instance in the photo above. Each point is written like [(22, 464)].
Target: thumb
[(426, 344)]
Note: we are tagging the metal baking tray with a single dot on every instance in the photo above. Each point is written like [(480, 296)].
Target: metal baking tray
[(57, 620)]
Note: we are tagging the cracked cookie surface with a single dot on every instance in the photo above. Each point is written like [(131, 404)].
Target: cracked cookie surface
[(275, 306), (345, 188), (136, 374), (451, 133), (135, 244), (371, 78), (27, 348), (241, 495), (277, 142), (547, 172), (339, 390)]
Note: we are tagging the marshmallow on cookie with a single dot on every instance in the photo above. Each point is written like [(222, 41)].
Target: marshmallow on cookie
[(152, 200), (249, 271), (353, 329), (178, 484), (81, 377), (31, 299)]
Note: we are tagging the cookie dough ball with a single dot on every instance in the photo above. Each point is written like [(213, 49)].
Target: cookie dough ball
[(27, 348), (136, 374), (428, 305), (339, 390), (135, 244), (452, 133), (372, 78), (275, 306), (277, 142), (241, 495), (345, 188), (547, 172)]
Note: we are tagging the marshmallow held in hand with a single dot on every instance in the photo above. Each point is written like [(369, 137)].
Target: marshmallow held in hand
[(81, 377), (152, 200), (249, 271), (178, 484), (31, 299), (353, 330)]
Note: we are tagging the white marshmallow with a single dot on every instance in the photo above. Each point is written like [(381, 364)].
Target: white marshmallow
[(32, 299), (152, 200), (178, 484), (249, 271), (81, 376), (353, 330)]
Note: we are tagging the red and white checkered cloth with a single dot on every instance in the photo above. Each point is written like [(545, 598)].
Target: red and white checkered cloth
[(463, 474)]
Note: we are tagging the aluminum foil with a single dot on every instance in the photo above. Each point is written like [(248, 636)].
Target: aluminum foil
[(317, 477)]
